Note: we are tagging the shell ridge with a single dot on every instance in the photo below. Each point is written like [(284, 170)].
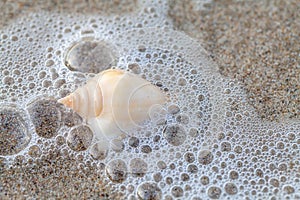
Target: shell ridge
[(152, 104), (129, 99), (98, 99), (127, 111), (112, 106), (80, 100), (132, 89), (89, 99), (126, 77)]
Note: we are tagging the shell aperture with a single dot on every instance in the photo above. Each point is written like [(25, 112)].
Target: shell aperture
[(114, 102)]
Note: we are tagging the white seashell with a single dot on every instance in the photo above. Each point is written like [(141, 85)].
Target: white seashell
[(115, 102)]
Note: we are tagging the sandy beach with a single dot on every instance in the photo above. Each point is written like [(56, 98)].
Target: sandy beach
[(254, 44)]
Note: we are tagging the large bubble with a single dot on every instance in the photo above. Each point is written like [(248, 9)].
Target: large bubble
[(90, 56), (14, 132), (46, 117)]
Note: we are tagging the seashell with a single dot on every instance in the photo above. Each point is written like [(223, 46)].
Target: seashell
[(115, 102)]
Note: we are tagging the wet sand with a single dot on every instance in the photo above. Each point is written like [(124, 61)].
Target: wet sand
[(255, 42)]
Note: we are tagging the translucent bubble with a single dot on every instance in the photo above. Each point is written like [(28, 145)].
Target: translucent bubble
[(189, 157), (8, 80), (157, 177), (14, 134), (169, 180), (193, 132), (42, 74), (233, 175), (70, 118), (80, 138), (146, 148), (280, 145), (214, 192), (183, 119), (14, 38), (59, 83), (225, 146), (221, 136), (231, 188), (46, 117), (47, 83), (117, 145), (134, 142), (283, 178), (181, 82), (157, 114), (205, 157), (185, 177), (238, 149), (196, 198), (134, 68), (19, 159), (173, 109), (168, 197), (90, 56), (174, 134), (60, 140), (161, 164), (177, 191), (274, 182), (149, 191), (49, 63), (288, 189), (204, 180), (291, 136), (192, 168), (138, 167), (99, 150), (34, 151), (116, 170), (201, 97), (259, 173)]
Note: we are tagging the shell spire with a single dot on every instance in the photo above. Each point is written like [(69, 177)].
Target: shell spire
[(67, 101), (86, 100)]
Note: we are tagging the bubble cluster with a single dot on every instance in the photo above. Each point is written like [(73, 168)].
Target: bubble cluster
[(205, 142)]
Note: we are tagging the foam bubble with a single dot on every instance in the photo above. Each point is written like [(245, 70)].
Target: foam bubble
[(116, 170), (79, 138), (99, 150), (138, 167)]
